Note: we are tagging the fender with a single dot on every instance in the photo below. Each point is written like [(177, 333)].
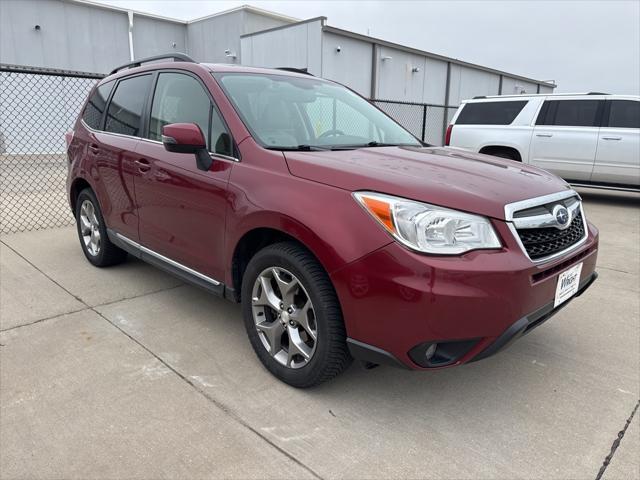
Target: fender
[(323, 250)]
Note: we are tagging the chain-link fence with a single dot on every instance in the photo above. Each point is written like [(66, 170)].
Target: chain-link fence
[(425, 121), (37, 107)]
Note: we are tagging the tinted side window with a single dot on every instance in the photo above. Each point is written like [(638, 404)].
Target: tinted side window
[(92, 114), (490, 113), (125, 110), (570, 113), (178, 98), (624, 114), (220, 139)]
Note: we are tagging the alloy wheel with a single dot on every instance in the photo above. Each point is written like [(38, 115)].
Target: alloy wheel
[(284, 317), (90, 228)]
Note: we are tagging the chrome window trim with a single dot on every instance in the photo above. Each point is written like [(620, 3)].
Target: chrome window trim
[(217, 155), (512, 208), (167, 260)]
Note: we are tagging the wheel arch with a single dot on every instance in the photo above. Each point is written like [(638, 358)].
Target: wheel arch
[(272, 229), (490, 149), (78, 184)]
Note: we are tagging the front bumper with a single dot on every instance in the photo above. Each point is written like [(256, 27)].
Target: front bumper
[(396, 302)]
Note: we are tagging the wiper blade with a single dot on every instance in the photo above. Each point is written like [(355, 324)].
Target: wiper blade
[(380, 144), (298, 148)]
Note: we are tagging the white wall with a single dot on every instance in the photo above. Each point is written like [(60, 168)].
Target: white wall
[(207, 39), (511, 86), (155, 37), (296, 46), (71, 36), (396, 80), (351, 66), (468, 82)]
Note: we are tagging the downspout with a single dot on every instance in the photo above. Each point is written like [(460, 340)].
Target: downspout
[(130, 15), (447, 89), (374, 70)]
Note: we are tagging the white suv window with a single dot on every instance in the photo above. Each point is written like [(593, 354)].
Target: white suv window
[(490, 113), (570, 113), (624, 114)]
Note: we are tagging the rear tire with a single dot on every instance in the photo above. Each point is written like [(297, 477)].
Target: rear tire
[(292, 316), (92, 232)]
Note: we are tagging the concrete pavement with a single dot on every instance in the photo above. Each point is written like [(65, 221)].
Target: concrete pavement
[(126, 372)]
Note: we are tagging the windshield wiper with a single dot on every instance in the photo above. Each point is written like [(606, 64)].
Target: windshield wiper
[(298, 148), (379, 144)]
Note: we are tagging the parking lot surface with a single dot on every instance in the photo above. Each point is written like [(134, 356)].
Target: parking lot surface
[(128, 373)]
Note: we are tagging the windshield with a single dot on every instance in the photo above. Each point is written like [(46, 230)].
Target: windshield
[(287, 112)]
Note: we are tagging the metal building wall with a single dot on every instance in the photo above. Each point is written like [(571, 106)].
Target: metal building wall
[(467, 83), (351, 65), (153, 36), (255, 22), (514, 86), (207, 39), (297, 45), (72, 36), (400, 75)]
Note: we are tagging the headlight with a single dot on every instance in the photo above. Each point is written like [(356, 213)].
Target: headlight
[(429, 228)]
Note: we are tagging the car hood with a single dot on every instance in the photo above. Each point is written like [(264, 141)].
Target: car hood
[(447, 177)]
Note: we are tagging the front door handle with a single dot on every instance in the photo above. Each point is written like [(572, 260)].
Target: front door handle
[(612, 138), (546, 135), (143, 165), (93, 148), (162, 176)]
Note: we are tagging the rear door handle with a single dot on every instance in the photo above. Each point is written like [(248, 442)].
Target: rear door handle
[(93, 148), (546, 135), (143, 165), (612, 138)]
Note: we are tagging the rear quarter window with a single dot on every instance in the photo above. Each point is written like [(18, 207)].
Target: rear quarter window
[(624, 114), (490, 113), (94, 110), (124, 114)]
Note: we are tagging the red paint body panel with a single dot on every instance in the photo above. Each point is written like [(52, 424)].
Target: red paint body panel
[(395, 299), (391, 298), (181, 209), (263, 194), (453, 178)]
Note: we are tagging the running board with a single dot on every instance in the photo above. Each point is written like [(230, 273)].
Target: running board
[(170, 266), (605, 187)]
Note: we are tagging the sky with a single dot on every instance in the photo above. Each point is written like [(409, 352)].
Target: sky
[(582, 45)]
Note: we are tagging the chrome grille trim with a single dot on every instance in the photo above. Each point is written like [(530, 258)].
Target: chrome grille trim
[(544, 221)]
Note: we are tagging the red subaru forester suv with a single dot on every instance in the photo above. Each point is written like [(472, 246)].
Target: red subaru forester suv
[(340, 234)]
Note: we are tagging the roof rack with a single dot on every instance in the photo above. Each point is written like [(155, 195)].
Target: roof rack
[(304, 71), (177, 57), (598, 93)]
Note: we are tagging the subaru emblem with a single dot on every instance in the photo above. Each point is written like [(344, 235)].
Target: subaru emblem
[(561, 214)]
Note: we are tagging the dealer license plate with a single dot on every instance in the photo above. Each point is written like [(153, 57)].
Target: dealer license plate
[(568, 282)]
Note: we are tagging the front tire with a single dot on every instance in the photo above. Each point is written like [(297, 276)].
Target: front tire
[(92, 232), (293, 317)]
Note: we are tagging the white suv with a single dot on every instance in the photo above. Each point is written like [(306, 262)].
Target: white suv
[(588, 139)]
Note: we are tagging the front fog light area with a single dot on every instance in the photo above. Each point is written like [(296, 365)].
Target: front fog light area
[(440, 354)]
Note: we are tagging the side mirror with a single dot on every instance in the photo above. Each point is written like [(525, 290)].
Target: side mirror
[(187, 138)]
